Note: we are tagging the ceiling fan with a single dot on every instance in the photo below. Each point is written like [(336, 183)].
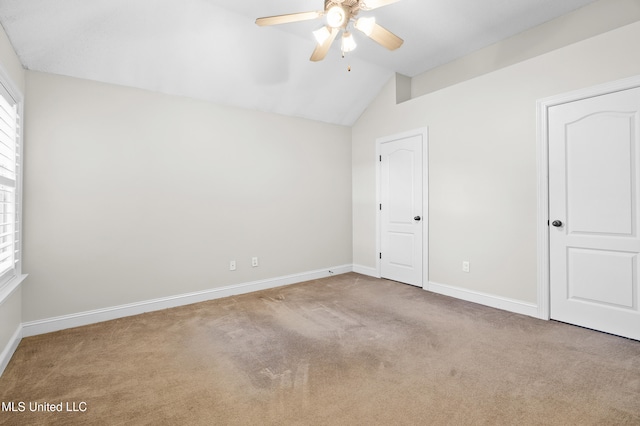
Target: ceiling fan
[(340, 14)]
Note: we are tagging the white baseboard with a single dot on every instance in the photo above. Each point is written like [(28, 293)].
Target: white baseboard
[(9, 350), (506, 304), (366, 270), (49, 325)]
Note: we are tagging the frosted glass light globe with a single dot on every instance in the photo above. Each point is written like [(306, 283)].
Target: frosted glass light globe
[(336, 16)]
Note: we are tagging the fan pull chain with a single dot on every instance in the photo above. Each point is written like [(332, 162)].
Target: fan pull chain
[(348, 65)]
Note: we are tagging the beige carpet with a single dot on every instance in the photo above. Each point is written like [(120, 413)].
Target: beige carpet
[(347, 350)]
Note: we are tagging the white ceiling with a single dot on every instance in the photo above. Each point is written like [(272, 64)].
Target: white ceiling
[(212, 49)]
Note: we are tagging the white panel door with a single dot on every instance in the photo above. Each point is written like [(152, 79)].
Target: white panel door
[(594, 184), (401, 210)]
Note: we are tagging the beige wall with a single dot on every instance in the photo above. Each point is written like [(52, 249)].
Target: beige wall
[(10, 61), (132, 195), (482, 162), (10, 318), (591, 20), (11, 307)]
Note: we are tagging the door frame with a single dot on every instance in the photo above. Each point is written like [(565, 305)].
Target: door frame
[(423, 132), (542, 148)]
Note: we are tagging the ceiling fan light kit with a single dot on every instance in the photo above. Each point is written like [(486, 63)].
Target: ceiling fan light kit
[(348, 43), (366, 24), (336, 16), (339, 14), (322, 34)]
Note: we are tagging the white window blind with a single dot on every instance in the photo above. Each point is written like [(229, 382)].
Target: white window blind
[(9, 172)]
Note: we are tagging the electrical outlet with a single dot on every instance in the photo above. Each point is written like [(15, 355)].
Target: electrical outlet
[(465, 266), (254, 261), (232, 265)]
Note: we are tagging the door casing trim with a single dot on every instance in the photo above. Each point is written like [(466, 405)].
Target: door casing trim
[(424, 133), (542, 152)]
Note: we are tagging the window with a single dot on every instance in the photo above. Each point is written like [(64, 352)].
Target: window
[(10, 196)]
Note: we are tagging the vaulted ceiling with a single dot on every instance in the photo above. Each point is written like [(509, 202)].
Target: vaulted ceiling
[(213, 50)]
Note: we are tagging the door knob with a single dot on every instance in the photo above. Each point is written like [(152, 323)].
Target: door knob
[(417, 218), (556, 223)]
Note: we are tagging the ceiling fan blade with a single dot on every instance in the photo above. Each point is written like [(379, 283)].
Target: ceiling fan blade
[(374, 4), (285, 19), (384, 37), (321, 50)]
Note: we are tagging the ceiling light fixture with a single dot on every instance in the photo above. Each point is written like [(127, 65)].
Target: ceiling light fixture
[(336, 16), (340, 16), (348, 43), (322, 35), (366, 25)]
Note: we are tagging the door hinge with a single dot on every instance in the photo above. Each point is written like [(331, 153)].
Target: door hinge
[(547, 223), (381, 158), (380, 255), (380, 206)]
